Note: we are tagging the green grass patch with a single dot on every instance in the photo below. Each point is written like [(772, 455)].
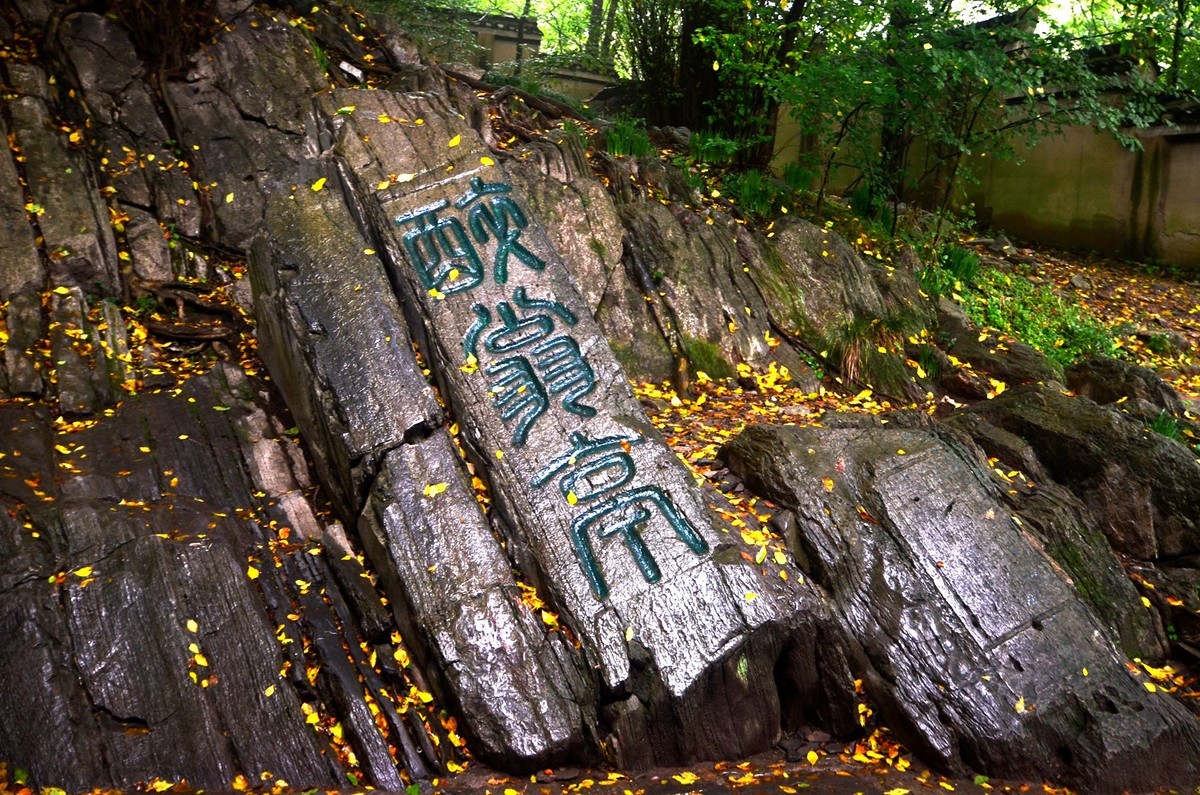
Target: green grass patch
[(1065, 332)]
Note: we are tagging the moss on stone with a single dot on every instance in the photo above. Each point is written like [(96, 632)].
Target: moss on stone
[(707, 357)]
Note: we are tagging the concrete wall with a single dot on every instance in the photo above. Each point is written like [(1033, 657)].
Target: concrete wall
[(1178, 235), (1078, 189), (497, 36), (1081, 189)]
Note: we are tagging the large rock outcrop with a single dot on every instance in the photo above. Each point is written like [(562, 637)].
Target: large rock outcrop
[(978, 652), (1142, 487), (493, 522)]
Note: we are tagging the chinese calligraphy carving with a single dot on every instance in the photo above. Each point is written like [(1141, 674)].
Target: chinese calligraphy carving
[(533, 359)]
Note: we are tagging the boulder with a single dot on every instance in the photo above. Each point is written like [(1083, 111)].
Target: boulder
[(376, 428), (979, 654), (592, 508), (1108, 381), (1143, 488), (1006, 359)]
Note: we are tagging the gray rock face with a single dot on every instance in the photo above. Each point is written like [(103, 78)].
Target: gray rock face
[(20, 267), (592, 506), (458, 602), (187, 609), (1107, 381), (148, 645), (355, 384), (1009, 360), (78, 240), (359, 392), (146, 167), (1142, 487), (978, 652), (245, 108)]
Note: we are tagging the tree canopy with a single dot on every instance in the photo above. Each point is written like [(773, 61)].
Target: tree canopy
[(901, 93)]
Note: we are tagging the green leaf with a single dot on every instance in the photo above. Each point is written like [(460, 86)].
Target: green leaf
[(981, 780)]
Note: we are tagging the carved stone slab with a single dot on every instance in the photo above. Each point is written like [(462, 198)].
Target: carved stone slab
[(594, 505)]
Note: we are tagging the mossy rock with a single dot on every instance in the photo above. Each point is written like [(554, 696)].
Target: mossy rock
[(705, 356)]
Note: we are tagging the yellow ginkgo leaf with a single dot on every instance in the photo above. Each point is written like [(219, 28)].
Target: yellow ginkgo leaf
[(319, 184), (456, 140)]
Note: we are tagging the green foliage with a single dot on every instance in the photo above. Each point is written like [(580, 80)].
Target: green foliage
[(758, 195), (145, 305), (1164, 33), (712, 149), (936, 280), (961, 263), (320, 56), (437, 26), (870, 207), (1166, 425), (871, 350), (900, 95), (797, 176), (1036, 315), (953, 271), (627, 138), (1160, 343), (929, 361)]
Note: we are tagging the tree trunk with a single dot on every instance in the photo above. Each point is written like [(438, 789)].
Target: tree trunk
[(595, 30), (610, 24)]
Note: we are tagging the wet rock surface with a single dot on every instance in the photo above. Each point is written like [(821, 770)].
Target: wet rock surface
[(976, 647), (490, 523), (1141, 486), (1108, 381)]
